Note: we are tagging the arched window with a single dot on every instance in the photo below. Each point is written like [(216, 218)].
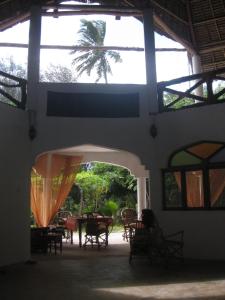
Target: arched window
[(195, 178)]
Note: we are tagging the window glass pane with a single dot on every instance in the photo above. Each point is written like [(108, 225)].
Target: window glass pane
[(194, 186), (219, 156), (205, 150), (172, 186), (217, 187), (183, 158), (68, 64)]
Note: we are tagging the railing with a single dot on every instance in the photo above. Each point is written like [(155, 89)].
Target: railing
[(192, 91), (13, 90)]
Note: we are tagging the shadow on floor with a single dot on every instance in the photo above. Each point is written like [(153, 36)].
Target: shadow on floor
[(106, 274)]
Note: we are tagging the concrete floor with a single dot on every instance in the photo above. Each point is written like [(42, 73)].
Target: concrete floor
[(106, 274)]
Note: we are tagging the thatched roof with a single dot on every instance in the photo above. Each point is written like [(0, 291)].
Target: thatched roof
[(198, 24)]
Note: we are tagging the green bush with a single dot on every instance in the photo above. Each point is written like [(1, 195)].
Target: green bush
[(109, 208)]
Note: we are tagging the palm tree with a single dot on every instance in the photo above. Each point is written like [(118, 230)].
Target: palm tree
[(92, 34)]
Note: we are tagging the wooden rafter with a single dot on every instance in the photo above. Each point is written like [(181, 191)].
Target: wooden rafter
[(213, 46), (190, 22), (13, 21), (103, 48), (204, 22), (93, 8), (170, 32), (155, 3), (90, 12)]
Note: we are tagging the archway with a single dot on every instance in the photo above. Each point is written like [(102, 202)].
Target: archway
[(130, 161), (93, 153)]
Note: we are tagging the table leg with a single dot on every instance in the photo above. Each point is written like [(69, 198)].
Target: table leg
[(71, 237), (107, 236), (80, 233)]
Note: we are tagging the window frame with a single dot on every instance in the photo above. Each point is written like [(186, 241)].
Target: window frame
[(204, 167)]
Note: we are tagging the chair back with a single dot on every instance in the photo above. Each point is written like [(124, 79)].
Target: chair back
[(128, 215), (148, 218), (71, 223), (92, 227), (61, 217), (88, 215)]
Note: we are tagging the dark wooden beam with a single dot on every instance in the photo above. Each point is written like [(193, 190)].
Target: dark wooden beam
[(190, 22), (68, 47), (90, 12), (13, 21), (71, 47), (93, 8), (191, 77), (173, 35), (210, 47), (199, 23), (169, 12)]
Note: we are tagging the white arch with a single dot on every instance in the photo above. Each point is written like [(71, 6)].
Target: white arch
[(122, 158), (118, 157)]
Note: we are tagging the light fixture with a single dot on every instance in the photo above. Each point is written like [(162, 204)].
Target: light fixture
[(153, 128), (153, 131), (32, 132)]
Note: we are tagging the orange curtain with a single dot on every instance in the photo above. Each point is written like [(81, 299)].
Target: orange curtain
[(51, 180), (195, 195), (217, 183), (194, 186)]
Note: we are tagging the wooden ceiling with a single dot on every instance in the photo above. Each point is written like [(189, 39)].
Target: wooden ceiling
[(198, 24)]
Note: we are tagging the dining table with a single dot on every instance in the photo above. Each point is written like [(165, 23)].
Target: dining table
[(103, 219)]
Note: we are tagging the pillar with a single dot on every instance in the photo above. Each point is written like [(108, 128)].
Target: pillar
[(197, 68), (33, 64), (155, 182), (150, 61), (141, 195)]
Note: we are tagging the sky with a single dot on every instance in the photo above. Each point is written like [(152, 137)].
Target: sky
[(126, 32)]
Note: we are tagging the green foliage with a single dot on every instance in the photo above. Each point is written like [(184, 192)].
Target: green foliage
[(121, 181), (94, 187), (57, 73), (218, 85), (8, 65), (172, 191), (72, 202), (92, 33), (169, 98), (102, 187), (109, 208)]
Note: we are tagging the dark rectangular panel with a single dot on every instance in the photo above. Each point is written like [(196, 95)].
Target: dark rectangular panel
[(92, 105)]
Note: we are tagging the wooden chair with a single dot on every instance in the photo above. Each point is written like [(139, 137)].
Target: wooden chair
[(96, 231), (39, 239), (153, 243), (166, 248), (129, 218), (55, 241), (61, 217)]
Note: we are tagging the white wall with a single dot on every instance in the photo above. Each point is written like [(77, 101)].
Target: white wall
[(128, 134), (204, 230), (14, 197)]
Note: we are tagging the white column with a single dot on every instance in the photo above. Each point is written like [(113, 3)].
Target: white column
[(141, 195), (197, 68), (150, 60), (155, 181)]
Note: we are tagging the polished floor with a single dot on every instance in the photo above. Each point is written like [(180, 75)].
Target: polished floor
[(106, 274)]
